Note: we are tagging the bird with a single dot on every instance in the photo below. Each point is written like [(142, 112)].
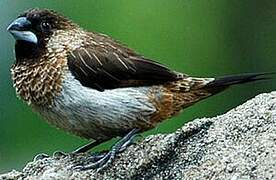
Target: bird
[(97, 88)]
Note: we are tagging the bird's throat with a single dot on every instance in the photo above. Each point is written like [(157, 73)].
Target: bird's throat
[(27, 51)]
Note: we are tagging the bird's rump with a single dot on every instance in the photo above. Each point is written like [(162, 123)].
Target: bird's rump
[(178, 95)]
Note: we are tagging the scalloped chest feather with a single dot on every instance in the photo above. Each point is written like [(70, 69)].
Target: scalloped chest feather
[(38, 83)]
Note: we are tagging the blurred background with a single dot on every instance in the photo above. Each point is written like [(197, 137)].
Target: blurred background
[(198, 37)]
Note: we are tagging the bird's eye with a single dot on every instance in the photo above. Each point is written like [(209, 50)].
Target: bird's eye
[(45, 26)]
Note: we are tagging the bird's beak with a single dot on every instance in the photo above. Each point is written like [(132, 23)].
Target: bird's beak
[(20, 29)]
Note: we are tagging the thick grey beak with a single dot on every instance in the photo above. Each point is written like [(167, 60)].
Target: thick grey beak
[(20, 29)]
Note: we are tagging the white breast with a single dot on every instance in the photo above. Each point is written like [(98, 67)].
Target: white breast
[(98, 115)]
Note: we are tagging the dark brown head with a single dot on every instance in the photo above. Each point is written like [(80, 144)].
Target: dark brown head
[(33, 29)]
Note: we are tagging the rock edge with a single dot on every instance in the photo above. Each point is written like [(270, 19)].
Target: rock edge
[(240, 144)]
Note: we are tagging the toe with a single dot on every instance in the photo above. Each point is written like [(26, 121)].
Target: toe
[(41, 156), (59, 154)]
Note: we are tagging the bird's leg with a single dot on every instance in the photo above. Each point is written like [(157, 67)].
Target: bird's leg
[(128, 143), (82, 149), (94, 156), (88, 146), (120, 146)]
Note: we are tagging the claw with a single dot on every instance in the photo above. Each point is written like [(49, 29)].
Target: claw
[(59, 154), (41, 156), (77, 167)]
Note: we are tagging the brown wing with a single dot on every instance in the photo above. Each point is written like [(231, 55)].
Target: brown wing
[(114, 69)]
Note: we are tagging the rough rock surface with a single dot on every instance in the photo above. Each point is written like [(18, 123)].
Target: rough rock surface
[(240, 144)]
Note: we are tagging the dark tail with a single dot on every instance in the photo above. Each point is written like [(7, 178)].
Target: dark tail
[(221, 83)]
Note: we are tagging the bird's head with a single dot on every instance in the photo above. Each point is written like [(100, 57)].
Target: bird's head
[(35, 27), (42, 40)]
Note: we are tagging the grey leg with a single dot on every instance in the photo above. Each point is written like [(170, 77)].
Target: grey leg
[(129, 142), (82, 149), (87, 147), (109, 157)]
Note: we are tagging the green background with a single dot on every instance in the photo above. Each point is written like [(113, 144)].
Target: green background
[(198, 37)]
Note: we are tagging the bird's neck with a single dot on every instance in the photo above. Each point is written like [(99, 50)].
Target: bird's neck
[(37, 77), (40, 81), (26, 51)]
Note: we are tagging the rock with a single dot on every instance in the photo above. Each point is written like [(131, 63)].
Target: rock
[(240, 144)]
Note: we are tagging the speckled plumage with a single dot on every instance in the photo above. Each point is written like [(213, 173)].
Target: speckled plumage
[(38, 83), (92, 86), (51, 89)]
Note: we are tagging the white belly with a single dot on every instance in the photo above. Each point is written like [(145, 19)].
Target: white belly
[(98, 115)]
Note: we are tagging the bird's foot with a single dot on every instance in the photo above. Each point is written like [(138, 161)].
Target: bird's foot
[(56, 154), (59, 154), (102, 160), (40, 156)]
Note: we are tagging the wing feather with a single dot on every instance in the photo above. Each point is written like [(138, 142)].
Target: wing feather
[(113, 69)]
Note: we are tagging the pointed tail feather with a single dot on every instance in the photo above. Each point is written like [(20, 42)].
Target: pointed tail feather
[(190, 90), (221, 83), (238, 79)]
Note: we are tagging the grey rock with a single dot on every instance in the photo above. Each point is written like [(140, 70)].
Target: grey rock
[(240, 144)]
